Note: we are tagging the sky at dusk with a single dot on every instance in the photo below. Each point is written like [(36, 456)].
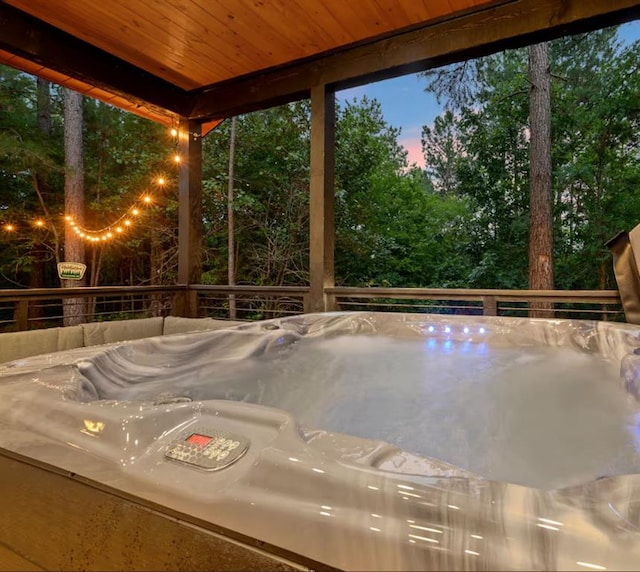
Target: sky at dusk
[(406, 105)]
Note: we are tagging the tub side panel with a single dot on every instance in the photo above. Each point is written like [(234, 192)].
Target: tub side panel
[(54, 522)]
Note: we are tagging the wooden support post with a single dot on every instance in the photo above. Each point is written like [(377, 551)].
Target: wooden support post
[(321, 217), (189, 215), (489, 306), (21, 315)]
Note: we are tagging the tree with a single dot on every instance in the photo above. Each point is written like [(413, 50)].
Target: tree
[(270, 198), (231, 256), (74, 308), (43, 110), (593, 158), (540, 212), (392, 228), (442, 149)]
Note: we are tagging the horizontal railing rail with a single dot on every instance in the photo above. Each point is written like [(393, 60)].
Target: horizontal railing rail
[(16, 295), (251, 302), (592, 304), (22, 309)]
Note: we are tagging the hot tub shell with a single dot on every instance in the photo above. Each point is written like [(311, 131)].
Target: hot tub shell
[(90, 483)]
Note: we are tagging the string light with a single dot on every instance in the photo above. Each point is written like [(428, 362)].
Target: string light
[(120, 225), (116, 228)]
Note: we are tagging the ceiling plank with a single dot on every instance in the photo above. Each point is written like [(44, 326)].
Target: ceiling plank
[(497, 26), (196, 43), (34, 40)]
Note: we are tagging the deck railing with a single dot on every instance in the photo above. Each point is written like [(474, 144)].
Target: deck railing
[(27, 309), (43, 307), (584, 304)]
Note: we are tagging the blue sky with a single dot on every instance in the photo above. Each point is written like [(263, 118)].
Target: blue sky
[(406, 105)]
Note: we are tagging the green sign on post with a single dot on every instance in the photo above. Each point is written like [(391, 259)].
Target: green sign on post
[(71, 270)]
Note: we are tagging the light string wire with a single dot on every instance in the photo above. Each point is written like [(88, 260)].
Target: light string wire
[(120, 225)]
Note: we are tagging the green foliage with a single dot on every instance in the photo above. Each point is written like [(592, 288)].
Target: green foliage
[(122, 155), (392, 229), (479, 150)]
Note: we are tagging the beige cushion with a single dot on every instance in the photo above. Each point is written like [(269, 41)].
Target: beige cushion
[(175, 325), (108, 332), (17, 345), (70, 337)]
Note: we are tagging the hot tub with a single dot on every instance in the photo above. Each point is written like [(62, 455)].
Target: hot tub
[(359, 440)]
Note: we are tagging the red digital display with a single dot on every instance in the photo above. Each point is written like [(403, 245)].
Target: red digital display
[(197, 439)]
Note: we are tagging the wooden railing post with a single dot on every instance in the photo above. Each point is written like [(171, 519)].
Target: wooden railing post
[(321, 200), (189, 214), (21, 315), (306, 303), (186, 304), (489, 306)]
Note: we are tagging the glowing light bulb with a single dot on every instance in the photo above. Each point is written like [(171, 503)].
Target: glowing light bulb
[(9, 227), (431, 329), (104, 237), (68, 218), (127, 223), (147, 199), (482, 330), (39, 223), (134, 212), (118, 229), (82, 235), (160, 181), (174, 132), (109, 235), (176, 158), (466, 330), (447, 330)]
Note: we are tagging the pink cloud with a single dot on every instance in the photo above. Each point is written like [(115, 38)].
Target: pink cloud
[(413, 147)]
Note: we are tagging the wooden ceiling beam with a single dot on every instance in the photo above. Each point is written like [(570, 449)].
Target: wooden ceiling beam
[(491, 28), (39, 42)]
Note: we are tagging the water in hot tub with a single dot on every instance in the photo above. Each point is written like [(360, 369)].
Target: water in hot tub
[(540, 416)]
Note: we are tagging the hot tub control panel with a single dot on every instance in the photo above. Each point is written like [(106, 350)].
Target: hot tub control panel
[(207, 448)]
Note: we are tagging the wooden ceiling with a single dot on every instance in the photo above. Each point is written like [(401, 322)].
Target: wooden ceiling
[(212, 58), (196, 43)]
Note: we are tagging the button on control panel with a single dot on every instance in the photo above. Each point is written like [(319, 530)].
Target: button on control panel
[(207, 448)]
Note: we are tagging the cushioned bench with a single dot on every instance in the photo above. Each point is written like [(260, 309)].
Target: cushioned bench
[(18, 345)]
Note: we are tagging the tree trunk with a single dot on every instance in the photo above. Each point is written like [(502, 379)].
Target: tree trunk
[(44, 106), (155, 270), (74, 308), (230, 222), (36, 276), (541, 218)]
